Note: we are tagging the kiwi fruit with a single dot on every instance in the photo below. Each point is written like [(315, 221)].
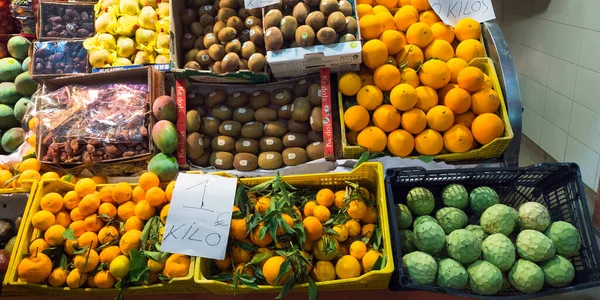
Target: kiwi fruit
[(328, 6), (248, 48), (243, 114), (289, 3), (192, 65), (188, 16), (252, 21), (276, 6), (294, 140), (245, 162), (256, 62), (259, 99), (245, 145), (228, 3), (300, 88), (230, 128), (201, 161), (315, 150), (190, 55), (223, 143), (275, 128), (193, 145), (284, 112), (231, 62), (207, 20), (266, 114), (305, 36), (227, 34), (337, 21), (243, 13), (237, 99), (348, 37), (288, 27), (206, 140), (256, 12), (271, 143), (217, 68), (192, 121), (203, 58), (225, 13), (209, 40), (243, 64), (210, 126), (209, 29), (300, 12), (256, 35), (326, 36), (273, 38), (233, 46), (272, 18), (316, 119), (252, 130), (214, 98), (316, 20), (298, 126), (220, 25), (236, 23), (221, 160), (314, 94), (216, 52), (270, 160), (197, 29), (312, 3), (188, 41), (345, 7), (281, 96), (351, 26), (201, 111), (314, 136), (301, 109), (207, 10), (294, 156), (222, 113), (194, 99), (199, 43)]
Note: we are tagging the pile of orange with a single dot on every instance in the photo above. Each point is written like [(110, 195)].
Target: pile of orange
[(416, 91), (338, 227), (96, 228)]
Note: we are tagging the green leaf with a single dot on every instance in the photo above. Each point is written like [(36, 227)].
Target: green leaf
[(331, 231), (263, 232), (111, 243), (69, 234), (64, 263), (364, 157), (223, 277), (313, 292), (287, 287), (248, 281), (285, 267), (273, 225), (162, 277), (30, 155), (157, 256), (151, 225), (376, 238), (247, 246), (6, 183), (237, 215), (138, 267), (258, 258), (378, 264), (80, 250), (426, 158)]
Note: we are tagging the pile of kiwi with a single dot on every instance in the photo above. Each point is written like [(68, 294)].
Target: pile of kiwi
[(222, 36), (310, 22), (259, 129)]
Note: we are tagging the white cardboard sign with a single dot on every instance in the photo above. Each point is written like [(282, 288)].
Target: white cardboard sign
[(200, 216), (248, 4), (452, 11)]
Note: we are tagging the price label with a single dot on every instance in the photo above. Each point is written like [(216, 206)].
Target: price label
[(248, 4), (452, 11), (200, 216)]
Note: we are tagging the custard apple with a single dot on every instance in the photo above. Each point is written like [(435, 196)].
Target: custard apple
[(565, 237), (484, 277), (534, 246), (422, 219), (558, 271), (533, 215), (481, 198), (421, 267), (526, 277), (404, 216), (420, 201), (451, 274), (499, 250), (478, 231), (429, 237), (499, 218), (463, 246), (407, 241), (451, 218), (455, 195)]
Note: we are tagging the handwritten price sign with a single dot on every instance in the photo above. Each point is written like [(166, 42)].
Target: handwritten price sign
[(452, 11), (200, 216)]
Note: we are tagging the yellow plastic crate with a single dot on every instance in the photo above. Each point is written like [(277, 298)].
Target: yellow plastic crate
[(27, 234), (493, 149), (370, 175)]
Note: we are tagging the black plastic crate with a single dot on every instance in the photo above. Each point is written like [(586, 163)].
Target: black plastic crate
[(557, 186)]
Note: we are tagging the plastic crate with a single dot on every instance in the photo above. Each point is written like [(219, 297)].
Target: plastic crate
[(556, 186), (27, 234), (368, 174), (493, 149)]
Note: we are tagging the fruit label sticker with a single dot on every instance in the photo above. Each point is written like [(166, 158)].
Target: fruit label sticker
[(220, 143), (291, 155), (236, 94), (246, 143), (270, 156), (291, 137), (243, 163), (200, 215), (452, 11), (249, 22), (201, 142), (218, 162), (279, 96), (242, 110), (224, 108), (212, 94), (284, 108), (227, 127), (270, 142), (256, 93)]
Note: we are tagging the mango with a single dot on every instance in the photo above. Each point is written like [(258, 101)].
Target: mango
[(25, 65), (7, 117), (8, 93), (9, 69), (165, 108), (21, 108), (164, 166), (18, 47), (12, 139), (164, 135), (25, 85)]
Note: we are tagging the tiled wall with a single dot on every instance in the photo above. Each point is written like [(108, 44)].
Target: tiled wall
[(555, 45)]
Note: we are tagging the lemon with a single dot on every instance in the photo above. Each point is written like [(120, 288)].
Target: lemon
[(119, 267), (155, 266)]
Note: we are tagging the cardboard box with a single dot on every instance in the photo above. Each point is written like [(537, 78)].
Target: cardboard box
[(52, 32), (177, 57), (154, 79)]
